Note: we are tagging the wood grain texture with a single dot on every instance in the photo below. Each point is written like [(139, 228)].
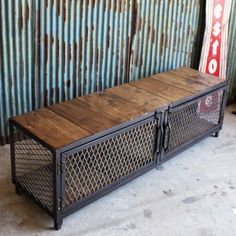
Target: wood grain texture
[(164, 90), (89, 117), (113, 105), (141, 98), (195, 75), (54, 130), (174, 79)]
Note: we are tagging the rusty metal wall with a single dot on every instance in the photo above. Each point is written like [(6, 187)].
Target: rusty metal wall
[(164, 36), (231, 70), (55, 50)]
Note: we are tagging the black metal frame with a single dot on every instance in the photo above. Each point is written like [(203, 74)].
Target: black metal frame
[(58, 165), (176, 106), (161, 142)]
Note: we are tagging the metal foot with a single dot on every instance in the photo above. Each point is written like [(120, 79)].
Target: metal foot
[(217, 134), (58, 223), (18, 190)]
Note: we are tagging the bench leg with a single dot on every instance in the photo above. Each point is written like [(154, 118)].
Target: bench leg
[(216, 134), (58, 223), (18, 190)]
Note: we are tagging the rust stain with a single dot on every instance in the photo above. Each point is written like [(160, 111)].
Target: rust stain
[(46, 98), (57, 94), (64, 10), (86, 36), (70, 52), (189, 29), (93, 3), (128, 60), (75, 87), (80, 52), (46, 47), (162, 43), (58, 47), (182, 10), (46, 3), (63, 94), (52, 95), (140, 23), (135, 18), (108, 41), (27, 12), (68, 82), (63, 55), (22, 68), (20, 19), (58, 8), (10, 81), (153, 35), (97, 58), (75, 59), (109, 5)]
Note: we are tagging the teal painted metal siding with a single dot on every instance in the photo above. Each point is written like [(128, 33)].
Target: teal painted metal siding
[(55, 50), (164, 36)]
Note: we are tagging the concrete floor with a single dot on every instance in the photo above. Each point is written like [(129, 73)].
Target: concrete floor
[(192, 194)]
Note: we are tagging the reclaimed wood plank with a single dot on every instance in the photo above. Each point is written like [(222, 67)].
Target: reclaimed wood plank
[(143, 99), (164, 90), (189, 73), (88, 117), (185, 83), (114, 105), (51, 128)]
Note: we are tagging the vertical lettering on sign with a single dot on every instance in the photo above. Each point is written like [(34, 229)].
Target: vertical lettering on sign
[(214, 51)]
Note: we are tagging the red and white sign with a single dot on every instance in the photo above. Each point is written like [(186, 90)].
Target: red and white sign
[(214, 51)]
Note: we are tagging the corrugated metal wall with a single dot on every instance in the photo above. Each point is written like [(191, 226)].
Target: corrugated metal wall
[(55, 50), (231, 71), (164, 35)]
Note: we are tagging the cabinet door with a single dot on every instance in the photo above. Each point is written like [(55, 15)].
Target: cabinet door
[(99, 166), (191, 121)]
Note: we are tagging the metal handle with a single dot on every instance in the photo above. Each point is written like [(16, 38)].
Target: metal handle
[(166, 136), (158, 140)]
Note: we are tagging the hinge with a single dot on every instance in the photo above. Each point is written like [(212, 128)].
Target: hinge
[(61, 167), (58, 168)]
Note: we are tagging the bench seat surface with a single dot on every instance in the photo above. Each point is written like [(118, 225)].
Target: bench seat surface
[(64, 123)]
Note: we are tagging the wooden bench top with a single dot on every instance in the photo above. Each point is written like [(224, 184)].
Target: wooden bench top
[(62, 124)]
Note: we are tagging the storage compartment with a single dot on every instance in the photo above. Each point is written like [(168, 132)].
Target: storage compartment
[(86, 171), (33, 169), (187, 122), (101, 164)]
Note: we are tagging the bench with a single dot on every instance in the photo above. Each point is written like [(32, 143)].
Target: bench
[(69, 154)]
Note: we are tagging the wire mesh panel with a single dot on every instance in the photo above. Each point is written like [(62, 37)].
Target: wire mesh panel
[(33, 168), (97, 166), (187, 122)]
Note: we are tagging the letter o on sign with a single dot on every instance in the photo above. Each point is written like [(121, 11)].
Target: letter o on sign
[(212, 67)]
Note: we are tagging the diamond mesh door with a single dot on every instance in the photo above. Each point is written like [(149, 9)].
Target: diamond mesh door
[(33, 168), (95, 167), (188, 122)]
